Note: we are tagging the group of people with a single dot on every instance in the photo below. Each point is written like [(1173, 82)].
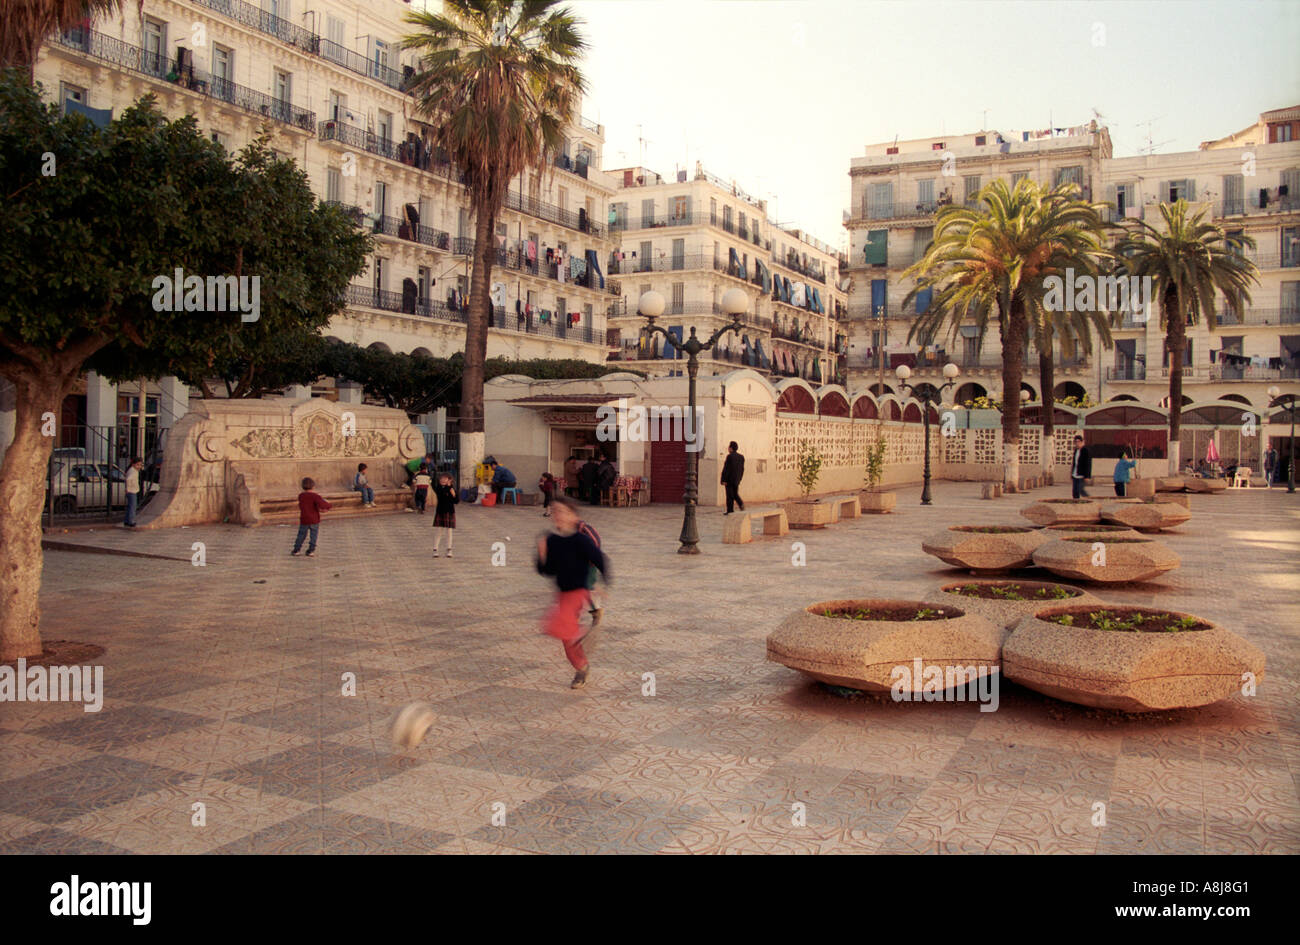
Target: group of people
[(588, 481)]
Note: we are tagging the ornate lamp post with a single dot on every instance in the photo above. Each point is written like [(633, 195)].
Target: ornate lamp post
[(650, 307), (928, 396), (1278, 399)]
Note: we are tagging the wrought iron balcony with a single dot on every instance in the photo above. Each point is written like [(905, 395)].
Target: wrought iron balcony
[(501, 319), (1127, 372), (111, 50), (566, 163), (264, 22), (355, 62), (359, 138), (1258, 316)]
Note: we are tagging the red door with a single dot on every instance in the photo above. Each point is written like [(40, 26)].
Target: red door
[(667, 470)]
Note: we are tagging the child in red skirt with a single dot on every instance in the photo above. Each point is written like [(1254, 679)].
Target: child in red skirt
[(568, 554)]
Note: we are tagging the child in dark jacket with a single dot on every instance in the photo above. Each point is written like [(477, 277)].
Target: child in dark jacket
[(568, 554), (444, 514), (547, 485), (310, 505)]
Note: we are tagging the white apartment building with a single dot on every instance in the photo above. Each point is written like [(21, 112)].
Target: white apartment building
[(897, 189), (1247, 182), (693, 237), (326, 78)]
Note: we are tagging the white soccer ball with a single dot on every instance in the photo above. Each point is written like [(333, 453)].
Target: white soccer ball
[(411, 724)]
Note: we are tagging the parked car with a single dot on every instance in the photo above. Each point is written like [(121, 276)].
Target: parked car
[(80, 486)]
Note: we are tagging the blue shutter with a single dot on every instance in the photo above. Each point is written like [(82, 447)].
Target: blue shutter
[(923, 301)]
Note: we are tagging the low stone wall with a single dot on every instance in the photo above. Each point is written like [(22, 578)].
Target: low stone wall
[(225, 456)]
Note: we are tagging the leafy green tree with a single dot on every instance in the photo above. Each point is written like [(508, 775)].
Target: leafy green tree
[(92, 217), (1188, 261), (987, 262), (498, 81)]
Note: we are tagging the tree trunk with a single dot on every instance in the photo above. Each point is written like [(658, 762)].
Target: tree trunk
[(480, 306), (1176, 342), (23, 476), (1013, 365), (1047, 383)]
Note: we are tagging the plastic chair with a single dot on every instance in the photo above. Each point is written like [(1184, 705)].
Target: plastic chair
[(1241, 478), (511, 492)]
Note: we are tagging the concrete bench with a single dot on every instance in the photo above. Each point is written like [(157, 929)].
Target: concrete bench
[(736, 529), (265, 496), (844, 507), (775, 521), (991, 490)]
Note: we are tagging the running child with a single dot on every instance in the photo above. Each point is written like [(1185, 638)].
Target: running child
[(568, 554)]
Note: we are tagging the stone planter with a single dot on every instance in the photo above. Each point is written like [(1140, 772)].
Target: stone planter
[(1099, 531), (1177, 498), (1140, 488), (1063, 512), (1149, 516), (1204, 485), (1125, 559), (980, 548), (1125, 670), (1004, 612), (814, 514), (863, 654), (878, 502), (1170, 484)]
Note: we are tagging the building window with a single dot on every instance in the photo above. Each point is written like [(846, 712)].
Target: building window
[(381, 198), (925, 196), (876, 248), (880, 201), (981, 140), (72, 93), (680, 208), (338, 106), (679, 299), (384, 128), (1281, 132), (647, 213), (282, 82), (1068, 175), (1125, 200), (379, 62), (971, 183), (1181, 190), (922, 236), (726, 220), (154, 56), (1290, 247), (381, 274), (223, 61), (334, 27), (713, 212), (333, 185)]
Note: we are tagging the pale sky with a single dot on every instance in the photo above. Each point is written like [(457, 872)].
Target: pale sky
[(780, 95)]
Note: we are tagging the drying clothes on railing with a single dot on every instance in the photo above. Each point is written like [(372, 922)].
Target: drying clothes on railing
[(593, 264), (498, 295), (530, 251)]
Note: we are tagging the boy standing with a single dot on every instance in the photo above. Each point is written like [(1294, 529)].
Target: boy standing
[(422, 483), (310, 505), (568, 554), (1080, 468), (132, 490)]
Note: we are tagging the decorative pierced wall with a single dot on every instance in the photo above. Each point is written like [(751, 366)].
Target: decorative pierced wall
[(845, 444), (1030, 441), (988, 447), (1063, 445)]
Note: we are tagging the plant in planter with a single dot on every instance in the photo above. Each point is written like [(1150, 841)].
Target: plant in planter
[(871, 499), (861, 644), (1008, 602), (1135, 659), (808, 512)]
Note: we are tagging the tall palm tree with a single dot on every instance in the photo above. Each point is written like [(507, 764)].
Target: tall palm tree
[(498, 82), (989, 261), (1187, 261), (28, 23)]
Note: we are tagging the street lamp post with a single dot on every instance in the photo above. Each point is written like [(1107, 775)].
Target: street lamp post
[(1290, 399), (930, 395), (651, 306)]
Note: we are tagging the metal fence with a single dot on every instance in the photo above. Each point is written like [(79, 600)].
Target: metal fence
[(86, 475)]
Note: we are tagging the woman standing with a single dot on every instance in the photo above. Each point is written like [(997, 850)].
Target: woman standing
[(1123, 470), (444, 515)]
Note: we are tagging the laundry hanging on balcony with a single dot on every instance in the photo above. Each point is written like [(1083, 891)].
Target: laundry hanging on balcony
[(923, 297), (817, 369), (498, 295), (817, 301), (797, 295), (763, 361), (593, 263), (578, 270), (100, 117)]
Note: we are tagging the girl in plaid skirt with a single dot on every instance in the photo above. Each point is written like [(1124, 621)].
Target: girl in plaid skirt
[(444, 516)]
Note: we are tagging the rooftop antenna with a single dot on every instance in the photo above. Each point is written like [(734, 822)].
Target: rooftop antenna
[(641, 143), (1151, 146), (984, 125)]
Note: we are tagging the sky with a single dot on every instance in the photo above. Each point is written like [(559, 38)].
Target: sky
[(780, 96)]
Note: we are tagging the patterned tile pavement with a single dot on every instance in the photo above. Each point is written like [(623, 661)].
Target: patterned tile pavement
[(224, 687)]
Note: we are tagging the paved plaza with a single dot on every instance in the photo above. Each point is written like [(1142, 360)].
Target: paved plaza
[(224, 687)]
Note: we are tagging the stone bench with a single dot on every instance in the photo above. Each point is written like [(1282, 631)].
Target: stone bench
[(991, 490), (775, 521), (273, 499), (738, 527), (844, 506)]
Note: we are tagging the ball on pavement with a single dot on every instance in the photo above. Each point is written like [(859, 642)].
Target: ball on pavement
[(411, 724)]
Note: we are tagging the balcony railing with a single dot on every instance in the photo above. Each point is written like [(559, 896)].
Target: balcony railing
[(796, 266), (902, 210), (501, 320), (566, 163), (1243, 207), (1258, 316), (579, 221), (1127, 372), (589, 125), (359, 138), (136, 59), (1252, 372), (355, 62), (263, 22)]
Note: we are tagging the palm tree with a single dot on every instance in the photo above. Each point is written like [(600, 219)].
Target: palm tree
[(498, 83), (989, 262), (1187, 262), (29, 22)]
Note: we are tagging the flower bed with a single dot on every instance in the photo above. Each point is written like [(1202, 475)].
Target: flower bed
[(854, 652), (1136, 659), (1005, 603)]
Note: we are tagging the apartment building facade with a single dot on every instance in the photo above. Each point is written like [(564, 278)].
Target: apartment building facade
[(1247, 182), (326, 79), (692, 237), (898, 188)]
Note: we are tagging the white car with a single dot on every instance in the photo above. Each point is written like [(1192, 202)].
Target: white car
[(76, 485)]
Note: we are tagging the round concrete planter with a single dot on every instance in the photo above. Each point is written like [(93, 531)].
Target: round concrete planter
[(878, 502), (966, 546), (1100, 530), (1145, 516), (1007, 613), (1132, 672), (1204, 485), (1126, 559), (1170, 484), (862, 654), (1062, 511), (1141, 488)]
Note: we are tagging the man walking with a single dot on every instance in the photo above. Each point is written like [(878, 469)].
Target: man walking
[(1270, 464), (1080, 468), (733, 470), (132, 490)]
